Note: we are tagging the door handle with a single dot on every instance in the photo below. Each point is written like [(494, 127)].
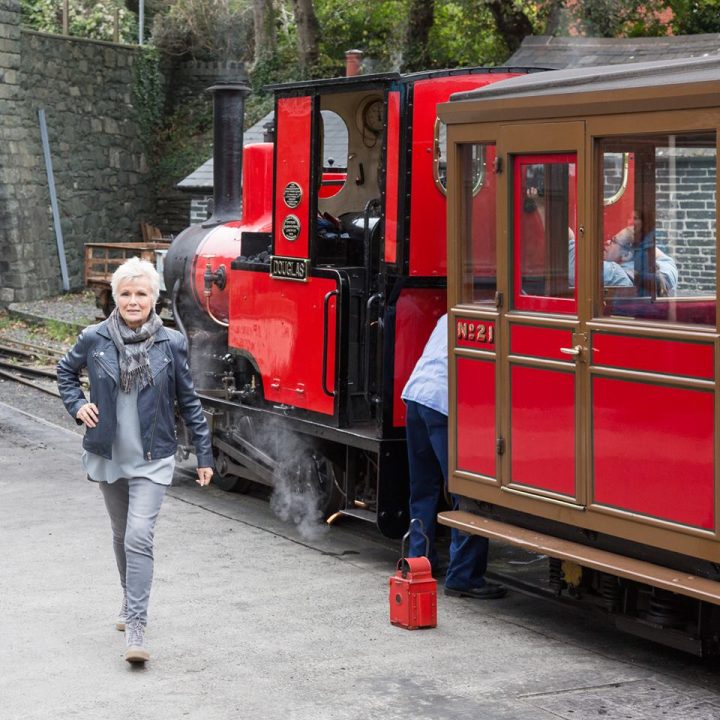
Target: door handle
[(576, 350)]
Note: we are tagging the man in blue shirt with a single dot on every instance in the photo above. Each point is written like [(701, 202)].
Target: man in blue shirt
[(426, 397)]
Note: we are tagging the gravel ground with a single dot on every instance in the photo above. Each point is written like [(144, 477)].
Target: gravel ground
[(70, 308)]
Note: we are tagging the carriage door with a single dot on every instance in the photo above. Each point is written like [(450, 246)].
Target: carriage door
[(544, 347)]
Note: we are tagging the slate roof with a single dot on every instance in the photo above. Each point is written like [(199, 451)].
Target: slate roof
[(201, 180), (542, 51)]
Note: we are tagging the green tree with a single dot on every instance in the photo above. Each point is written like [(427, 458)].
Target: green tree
[(691, 17)]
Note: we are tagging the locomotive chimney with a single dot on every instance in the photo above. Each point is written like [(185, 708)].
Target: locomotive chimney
[(228, 115), (353, 63)]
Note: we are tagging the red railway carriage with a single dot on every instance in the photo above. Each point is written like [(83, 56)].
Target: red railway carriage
[(306, 315), (584, 343)]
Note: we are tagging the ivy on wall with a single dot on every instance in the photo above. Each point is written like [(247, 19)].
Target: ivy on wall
[(148, 93)]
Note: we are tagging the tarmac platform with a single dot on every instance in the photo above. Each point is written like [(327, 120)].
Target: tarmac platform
[(251, 620)]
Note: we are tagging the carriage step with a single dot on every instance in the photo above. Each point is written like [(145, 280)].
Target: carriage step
[(608, 562)]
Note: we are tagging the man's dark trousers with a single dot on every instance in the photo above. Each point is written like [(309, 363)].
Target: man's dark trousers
[(427, 442)]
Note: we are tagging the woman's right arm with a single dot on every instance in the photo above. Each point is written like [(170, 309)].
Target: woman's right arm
[(68, 374)]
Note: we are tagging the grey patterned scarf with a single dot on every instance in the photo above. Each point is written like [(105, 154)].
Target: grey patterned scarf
[(133, 347)]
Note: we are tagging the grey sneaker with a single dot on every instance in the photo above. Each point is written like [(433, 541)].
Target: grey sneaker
[(122, 615), (135, 639)]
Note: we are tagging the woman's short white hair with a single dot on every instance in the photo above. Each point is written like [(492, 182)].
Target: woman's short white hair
[(136, 268)]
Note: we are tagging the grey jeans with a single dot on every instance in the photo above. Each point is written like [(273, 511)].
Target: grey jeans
[(133, 506)]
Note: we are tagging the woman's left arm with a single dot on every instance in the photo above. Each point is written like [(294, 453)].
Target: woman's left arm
[(191, 409)]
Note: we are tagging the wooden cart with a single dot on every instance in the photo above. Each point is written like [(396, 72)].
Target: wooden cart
[(102, 259)]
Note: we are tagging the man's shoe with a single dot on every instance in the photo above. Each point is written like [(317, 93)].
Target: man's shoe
[(122, 615), (489, 591), (135, 638)]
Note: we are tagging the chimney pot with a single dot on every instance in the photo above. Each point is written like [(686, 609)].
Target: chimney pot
[(353, 63)]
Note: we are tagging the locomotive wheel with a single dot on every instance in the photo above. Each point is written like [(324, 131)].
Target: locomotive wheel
[(224, 480), (313, 476), (326, 481)]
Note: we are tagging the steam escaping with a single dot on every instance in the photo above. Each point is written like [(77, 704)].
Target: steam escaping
[(297, 497)]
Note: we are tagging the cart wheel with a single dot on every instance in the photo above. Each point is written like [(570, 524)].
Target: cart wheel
[(107, 304)]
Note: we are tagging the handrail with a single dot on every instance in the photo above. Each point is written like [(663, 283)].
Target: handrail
[(377, 297), (326, 305)]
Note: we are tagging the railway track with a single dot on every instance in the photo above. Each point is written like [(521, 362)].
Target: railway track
[(29, 364)]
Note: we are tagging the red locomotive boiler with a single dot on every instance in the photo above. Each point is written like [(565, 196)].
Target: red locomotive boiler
[(306, 313), (584, 395)]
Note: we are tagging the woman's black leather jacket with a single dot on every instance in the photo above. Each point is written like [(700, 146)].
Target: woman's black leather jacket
[(172, 383)]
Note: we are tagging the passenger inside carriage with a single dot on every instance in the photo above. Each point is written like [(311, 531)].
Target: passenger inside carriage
[(620, 249)]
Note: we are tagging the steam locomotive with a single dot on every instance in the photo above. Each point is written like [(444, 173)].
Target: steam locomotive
[(306, 312)]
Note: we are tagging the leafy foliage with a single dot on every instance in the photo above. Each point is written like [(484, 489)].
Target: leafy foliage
[(205, 29), (148, 93), (87, 18), (696, 16)]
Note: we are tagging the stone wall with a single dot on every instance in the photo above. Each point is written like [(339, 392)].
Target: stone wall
[(99, 169), (12, 134), (686, 219)]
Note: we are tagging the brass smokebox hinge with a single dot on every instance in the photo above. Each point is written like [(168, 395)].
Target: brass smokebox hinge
[(498, 165), (500, 446)]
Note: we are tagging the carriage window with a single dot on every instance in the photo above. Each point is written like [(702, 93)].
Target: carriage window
[(544, 232), (478, 225), (658, 236)]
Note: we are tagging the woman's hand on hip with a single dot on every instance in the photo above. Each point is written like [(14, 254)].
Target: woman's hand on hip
[(88, 414), (204, 475)]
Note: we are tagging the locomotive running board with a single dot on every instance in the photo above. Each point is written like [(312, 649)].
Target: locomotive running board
[(601, 560)]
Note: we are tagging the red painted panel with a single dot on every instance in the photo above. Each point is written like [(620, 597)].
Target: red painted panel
[(476, 416), (654, 355), (279, 323), (222, 244), (292, 164), (542, 405), (428, 229), (653, 450), (392, 176), (540, 341), (474, 333), (416, 314)]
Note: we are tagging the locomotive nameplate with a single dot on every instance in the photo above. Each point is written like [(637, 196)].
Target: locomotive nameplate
[(292, 194), (291, 227), (286, 268), (475, 334)]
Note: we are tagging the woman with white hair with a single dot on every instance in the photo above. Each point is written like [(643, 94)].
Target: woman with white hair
[(138, 372)]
